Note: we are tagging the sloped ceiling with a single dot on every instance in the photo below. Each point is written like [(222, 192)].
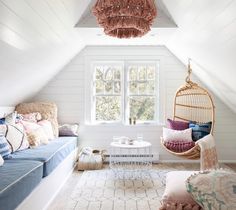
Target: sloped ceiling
[(207, 34), (37, 38)]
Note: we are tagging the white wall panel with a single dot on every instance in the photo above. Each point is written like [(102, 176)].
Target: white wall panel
[(35, 43), (67, 89)]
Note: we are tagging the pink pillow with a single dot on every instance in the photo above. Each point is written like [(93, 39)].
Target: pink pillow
[(177, 125), (176, 196), (32, 117), (47, 127), (29, 126), (179, 146), (175, 135)]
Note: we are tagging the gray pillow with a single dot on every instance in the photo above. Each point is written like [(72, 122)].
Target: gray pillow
[(68, 130)]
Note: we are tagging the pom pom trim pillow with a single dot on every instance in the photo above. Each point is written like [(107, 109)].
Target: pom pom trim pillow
[(176, 196), (177, 125), (213, 189), (170, 135)]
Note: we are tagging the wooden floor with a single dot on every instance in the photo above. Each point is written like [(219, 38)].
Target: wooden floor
[(59, 202)]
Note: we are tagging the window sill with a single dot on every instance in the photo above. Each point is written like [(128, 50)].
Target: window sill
[(125, 125)]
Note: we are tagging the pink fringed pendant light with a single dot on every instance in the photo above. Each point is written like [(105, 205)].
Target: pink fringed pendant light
[(125, 18)]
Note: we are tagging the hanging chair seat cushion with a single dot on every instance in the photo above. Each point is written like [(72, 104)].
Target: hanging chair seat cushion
[(179, 146)]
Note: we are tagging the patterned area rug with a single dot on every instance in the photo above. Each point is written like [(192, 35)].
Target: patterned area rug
[(102, 190)]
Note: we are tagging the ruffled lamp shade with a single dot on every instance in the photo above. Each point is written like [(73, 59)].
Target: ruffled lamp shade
[(125, 18)]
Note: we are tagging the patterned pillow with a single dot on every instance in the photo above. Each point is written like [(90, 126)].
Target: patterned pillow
[(174, 135), (177, 125), (16, 136), (5, 151), (200, 130), (213, 189), (32, 117), (11, 118), (179, 146)]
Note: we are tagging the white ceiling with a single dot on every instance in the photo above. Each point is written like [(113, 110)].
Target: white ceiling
[(207, 34), (162, 29), (37, 38)]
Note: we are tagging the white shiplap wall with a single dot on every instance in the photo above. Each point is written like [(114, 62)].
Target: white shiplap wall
[(68, 90)]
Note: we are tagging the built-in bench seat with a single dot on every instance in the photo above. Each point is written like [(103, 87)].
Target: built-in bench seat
[(50, 155), (18, 178), (21, 174)]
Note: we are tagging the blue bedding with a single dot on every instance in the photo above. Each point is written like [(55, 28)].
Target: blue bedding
[(51, 155), (17, 179)]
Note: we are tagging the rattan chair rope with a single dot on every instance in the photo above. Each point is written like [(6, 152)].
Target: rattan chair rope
[(192, 103)]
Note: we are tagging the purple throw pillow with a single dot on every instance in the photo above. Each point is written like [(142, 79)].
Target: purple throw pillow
[(179, 146), (177, 125)]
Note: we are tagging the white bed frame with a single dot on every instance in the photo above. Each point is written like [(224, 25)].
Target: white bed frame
[(41, 197)]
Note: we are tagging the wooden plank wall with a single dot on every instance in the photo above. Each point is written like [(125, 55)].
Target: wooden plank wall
[(68, 90)]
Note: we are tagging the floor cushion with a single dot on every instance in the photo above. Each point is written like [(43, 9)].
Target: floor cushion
[(214, 189), (176, 196), (51, 155), (18, 179)]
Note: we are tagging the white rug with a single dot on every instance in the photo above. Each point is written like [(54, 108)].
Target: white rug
[(101, 190)]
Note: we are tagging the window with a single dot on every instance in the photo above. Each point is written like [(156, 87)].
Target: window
[(124, 90)]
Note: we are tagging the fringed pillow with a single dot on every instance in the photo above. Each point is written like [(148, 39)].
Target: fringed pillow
[(37, 137), (176, 196)]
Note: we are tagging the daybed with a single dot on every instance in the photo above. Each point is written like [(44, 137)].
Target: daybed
[(32, 177)]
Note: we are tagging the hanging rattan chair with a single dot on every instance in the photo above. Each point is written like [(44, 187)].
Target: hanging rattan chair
[(192, 103)]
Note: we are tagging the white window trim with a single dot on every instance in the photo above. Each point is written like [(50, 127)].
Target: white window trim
[(93, 101), (160, 111)]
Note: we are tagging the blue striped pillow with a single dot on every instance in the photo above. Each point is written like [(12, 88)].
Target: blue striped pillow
[(199, 130), (5, 151)]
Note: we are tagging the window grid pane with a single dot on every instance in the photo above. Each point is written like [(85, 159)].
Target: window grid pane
[(112, 104), (107, 93), (142, 92)]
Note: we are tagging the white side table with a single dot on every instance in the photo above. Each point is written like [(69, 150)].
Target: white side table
[(131, 160)]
